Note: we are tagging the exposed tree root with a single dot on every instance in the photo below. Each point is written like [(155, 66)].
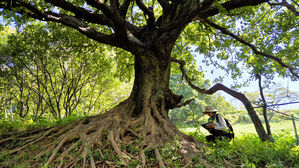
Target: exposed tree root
[(77, 142), (24, 136), (161, 164), (32, 142)]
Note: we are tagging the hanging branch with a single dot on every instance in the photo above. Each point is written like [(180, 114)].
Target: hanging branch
[(254, 49), (253, 115)]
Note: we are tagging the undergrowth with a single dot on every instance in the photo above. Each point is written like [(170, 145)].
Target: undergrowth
[(17, 125), (249, 151)]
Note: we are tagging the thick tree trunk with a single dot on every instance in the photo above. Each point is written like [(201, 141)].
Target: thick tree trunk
[(151, 99), (152, 84)]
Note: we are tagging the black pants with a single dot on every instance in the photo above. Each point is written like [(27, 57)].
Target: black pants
[(219, 135)]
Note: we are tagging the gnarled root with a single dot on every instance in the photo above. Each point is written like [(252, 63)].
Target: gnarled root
[(77, 143)]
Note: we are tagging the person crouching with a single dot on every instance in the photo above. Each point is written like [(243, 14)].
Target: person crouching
[(217, 126)]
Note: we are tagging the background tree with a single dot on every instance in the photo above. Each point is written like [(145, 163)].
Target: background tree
[(276, 97), (148, 31), (45, 76)]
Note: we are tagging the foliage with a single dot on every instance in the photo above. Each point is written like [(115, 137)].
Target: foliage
[(270, 29), (190, 114), (27, 123), (42, 75)]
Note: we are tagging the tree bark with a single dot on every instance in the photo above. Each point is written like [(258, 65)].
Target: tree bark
[(265, 109), (152, 74)]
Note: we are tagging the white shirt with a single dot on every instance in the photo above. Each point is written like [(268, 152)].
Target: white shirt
[(222, 124)]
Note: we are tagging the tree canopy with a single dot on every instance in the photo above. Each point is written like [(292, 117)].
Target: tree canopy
[(262, 38)]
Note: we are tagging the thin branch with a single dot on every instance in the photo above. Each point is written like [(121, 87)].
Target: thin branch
[(262, 17), (254, 49), (81, 12), (184, 103), (295, 2), (280, 104), (258, 76), (147, 11)]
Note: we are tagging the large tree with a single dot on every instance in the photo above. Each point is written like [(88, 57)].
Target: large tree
[(149, 31)]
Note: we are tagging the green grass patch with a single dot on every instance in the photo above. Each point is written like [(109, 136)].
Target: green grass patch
[(285, 126), (247, 150)]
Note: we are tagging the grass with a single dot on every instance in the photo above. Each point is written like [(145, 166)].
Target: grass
[(248, 151), (285, 126)]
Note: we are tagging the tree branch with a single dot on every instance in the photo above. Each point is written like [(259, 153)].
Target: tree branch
[(295, 2), (102, 7), (254, 117), (183, 103), (124, 8), (213, 89), (253, 48), (230, 5), (72, 21), (114, 4), (290, 7), (147, 11), (164, 4), (77, 23), (81, 12), (112, 13)]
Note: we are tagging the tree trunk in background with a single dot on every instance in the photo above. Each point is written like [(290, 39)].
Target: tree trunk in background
[(270, 138)]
